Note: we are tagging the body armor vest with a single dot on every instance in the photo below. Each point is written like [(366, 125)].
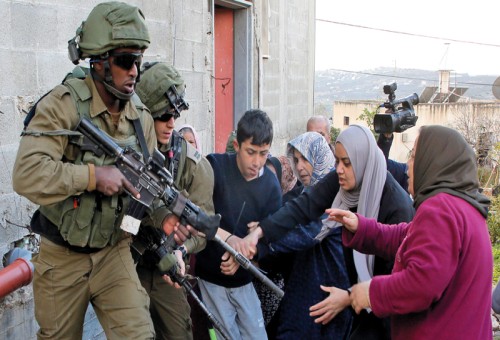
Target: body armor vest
[(90, 219)]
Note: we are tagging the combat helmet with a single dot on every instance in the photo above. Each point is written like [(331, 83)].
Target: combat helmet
[(110, 25), (162, 90)]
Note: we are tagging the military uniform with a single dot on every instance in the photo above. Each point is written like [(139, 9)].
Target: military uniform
[(69, 274), (84, 255), (192, 174)]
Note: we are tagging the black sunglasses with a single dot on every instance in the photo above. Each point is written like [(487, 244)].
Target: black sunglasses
[(126, 60), (167, 116)]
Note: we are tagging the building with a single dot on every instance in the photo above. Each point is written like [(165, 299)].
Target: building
[(233, 54), (465, 114), (478, 121)]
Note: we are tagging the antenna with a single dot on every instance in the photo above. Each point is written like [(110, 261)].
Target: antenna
[(496, 88), (444, 59)]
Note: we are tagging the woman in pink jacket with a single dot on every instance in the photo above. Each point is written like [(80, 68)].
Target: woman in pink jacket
[(440, 286)]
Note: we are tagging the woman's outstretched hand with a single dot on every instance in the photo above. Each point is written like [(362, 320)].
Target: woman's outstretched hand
[(346, 217)]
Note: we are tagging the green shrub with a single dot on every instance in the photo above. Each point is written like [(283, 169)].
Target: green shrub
[(494, 229), (484, 175), (334, 133), (494, 220), (496, 263)]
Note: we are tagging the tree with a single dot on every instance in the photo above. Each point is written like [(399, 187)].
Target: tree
[(480, 127), (334, 133), (367, 116)]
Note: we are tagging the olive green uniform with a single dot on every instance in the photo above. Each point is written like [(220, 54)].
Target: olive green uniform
[(169, 306), (69, 275)]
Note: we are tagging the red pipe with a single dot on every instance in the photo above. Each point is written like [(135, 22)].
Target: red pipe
[(16, 275)]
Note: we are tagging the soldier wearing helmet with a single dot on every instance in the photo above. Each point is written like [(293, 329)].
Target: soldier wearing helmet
[(84, 254), (162, 90), (113, 34)]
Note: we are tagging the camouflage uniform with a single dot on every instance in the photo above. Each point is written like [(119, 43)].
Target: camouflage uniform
[(194, 176), (90, 261)]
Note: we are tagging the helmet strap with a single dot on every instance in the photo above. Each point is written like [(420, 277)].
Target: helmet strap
[(108, 82)]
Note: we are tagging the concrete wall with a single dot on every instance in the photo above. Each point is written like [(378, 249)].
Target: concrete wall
[(428, 114), (286, 78), (33, 50)]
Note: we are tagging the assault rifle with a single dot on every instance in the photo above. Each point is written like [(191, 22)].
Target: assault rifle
[(150, 179), (153, 180)]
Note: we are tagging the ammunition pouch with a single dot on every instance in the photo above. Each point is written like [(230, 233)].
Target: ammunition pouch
[(89, 220)]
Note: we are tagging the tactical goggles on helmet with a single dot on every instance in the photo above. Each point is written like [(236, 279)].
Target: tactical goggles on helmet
[(177, 104), (126, 60), (177, 101)]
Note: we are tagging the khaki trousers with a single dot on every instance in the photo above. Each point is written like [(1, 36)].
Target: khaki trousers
[(66, 281), (169, 308)]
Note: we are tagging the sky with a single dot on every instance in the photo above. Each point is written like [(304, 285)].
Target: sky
[(339, 46)]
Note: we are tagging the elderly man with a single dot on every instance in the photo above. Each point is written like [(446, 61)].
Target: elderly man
[(321, 125)]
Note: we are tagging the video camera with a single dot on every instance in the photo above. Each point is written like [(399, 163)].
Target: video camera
[(401, 118)]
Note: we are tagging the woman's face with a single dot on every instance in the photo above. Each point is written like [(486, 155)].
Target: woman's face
[(189, 137), (304, 168), (347, 179), (410, 162)]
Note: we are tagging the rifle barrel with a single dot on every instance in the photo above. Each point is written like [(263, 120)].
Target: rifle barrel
[(245, 263)]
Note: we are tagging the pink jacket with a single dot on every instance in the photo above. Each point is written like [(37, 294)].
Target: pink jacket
[(440, 286)]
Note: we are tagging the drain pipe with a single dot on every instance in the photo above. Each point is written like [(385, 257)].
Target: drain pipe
[(18, 271)]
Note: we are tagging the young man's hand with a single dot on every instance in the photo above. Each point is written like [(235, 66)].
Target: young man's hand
[(228, 265), (254, 235)]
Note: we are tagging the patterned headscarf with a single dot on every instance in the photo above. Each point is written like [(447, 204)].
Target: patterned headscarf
[(370, 172), (316, 151), (445, 162), (288, 179)]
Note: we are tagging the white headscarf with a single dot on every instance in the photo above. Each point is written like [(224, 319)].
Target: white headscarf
[(370, 172), (195, 134)]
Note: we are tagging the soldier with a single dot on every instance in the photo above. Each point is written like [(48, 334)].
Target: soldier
[(84, 254), (162, 90)]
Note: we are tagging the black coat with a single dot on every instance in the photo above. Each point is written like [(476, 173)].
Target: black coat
[(395, 206)]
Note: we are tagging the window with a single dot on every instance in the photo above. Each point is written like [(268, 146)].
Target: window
[(346, 121)]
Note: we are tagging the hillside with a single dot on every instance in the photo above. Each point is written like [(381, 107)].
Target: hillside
[(331, 85)]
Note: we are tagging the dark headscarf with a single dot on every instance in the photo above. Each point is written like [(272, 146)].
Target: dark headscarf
[(445, 162)]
